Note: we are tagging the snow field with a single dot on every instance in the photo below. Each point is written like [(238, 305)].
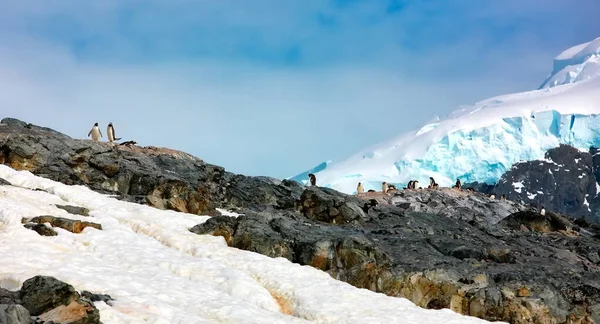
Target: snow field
[(159, 272)]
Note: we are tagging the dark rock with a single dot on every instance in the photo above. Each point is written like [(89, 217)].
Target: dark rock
[(41, 294), (9, 297), (328, 205), (4, 182), (73, 226), (534, 221), (75, 210), (14, 314), (565, 182), (41, 229), (97, 297)]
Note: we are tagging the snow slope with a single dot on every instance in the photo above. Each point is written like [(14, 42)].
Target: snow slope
[(480, 142), (159, 272)]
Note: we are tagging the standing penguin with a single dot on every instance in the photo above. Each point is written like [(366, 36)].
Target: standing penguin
[(95, 132), (360, 189), (384, 187), (458, 185), (313, 179), (543, 211), (110, 131)]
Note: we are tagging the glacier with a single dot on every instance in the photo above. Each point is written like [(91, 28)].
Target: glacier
[(482, 141)]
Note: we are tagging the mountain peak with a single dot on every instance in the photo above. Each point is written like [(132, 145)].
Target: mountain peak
[(578, 63)]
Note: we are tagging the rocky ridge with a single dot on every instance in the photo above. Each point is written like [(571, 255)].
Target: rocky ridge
[(159, 177)]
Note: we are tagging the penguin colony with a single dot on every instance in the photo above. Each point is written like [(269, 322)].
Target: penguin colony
[(412, 185)]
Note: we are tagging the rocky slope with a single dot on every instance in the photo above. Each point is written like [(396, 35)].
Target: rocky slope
[(490, 258), (566, 181), (497, 260), (160, 177)]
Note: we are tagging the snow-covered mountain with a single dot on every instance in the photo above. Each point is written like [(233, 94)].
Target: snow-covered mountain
[(482, 141), (159, 272)]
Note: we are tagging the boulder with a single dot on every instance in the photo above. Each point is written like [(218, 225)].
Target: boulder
[(42, 293), (73, 226), (14, 314)]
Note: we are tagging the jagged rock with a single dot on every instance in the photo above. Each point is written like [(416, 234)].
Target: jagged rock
[(160, 177), (456, 252), (73, 226), (14, 314), (41, 229), (41, 294), (75, 210), (564, 182)]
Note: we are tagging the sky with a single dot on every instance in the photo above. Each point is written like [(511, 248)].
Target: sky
[(271, 87)]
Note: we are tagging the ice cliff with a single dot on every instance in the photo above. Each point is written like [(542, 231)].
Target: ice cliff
[(482, 141)]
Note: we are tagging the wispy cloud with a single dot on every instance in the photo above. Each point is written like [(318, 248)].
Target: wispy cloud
[(272, 87)]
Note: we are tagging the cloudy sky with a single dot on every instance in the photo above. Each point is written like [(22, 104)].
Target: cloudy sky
[(272, 87)]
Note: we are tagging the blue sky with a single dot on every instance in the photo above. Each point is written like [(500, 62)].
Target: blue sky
[(270, 87)]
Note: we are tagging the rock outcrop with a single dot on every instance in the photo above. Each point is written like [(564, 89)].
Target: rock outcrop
[(566, 182), (45, 299), (160, 177), (498, 260)]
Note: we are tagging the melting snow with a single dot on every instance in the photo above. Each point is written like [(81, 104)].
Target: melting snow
[(159, 272)]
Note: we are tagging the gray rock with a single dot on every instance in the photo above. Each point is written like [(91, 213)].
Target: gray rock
[(73, 226), (14, 314), (41, 294), (75, 210), (41, 229), (594, 257), (4, 182), (159, 177)]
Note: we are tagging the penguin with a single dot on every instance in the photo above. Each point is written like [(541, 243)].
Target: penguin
[(313, 179), (360, 189), (409, 185), (110, 132), (543, 211), (503, 197), (432, 183), (95, 133), (458, 185), (384, 187), (371, 190), (392, 187), (492, 196), (414, 184)]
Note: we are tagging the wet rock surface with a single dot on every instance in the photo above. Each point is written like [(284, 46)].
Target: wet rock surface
[(46, 300), (446, 248)]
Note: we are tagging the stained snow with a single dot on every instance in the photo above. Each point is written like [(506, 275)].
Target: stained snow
[(159, 272), (482, 141)]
